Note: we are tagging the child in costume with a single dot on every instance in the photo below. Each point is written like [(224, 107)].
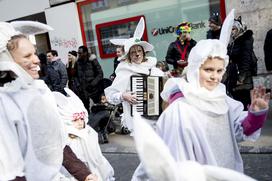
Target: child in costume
[(136, 63), (160, 164), (202, 123), (83, 140)]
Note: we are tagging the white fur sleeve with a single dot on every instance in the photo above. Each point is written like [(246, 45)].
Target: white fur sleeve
[(11, 159), (113, 96)]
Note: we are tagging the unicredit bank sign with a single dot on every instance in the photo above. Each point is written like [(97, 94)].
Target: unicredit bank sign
[(171, 29)]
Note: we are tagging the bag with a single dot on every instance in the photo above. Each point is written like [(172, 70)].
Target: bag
[(254, 66)]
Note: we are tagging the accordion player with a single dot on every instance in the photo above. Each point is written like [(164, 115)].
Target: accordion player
[(147, 90)]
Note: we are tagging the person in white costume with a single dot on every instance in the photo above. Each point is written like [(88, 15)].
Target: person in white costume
[(202, 123), (83, 139), (136, 63), (166, 168), (33, 139)]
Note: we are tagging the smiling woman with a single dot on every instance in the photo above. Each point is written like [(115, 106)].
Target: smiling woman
[(24, 54), (32, 141)]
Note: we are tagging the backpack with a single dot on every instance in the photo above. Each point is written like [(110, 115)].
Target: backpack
[(254, 66)]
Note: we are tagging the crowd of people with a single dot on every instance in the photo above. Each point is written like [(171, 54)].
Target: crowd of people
[(211, 79)]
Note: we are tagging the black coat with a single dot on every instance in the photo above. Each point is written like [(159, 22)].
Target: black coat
[(213, 34), (268, 50), (88, 75), (173, 53), (115, 64), (240, 52)]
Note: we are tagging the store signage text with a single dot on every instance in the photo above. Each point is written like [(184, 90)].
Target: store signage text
[(171, 29)]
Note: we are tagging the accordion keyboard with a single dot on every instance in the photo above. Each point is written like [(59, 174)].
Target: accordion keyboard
[(147, 90), (138, 89)]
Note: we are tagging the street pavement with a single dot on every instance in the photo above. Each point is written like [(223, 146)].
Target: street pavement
[(257, 156)]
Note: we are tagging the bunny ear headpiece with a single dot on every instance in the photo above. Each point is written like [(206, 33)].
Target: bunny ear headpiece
[(31, 27), (226, 28), (160, 165), (135, 40), (7, 31), (206, 48)]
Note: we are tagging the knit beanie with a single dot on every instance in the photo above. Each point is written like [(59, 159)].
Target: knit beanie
[(73, 52), (216, 19)]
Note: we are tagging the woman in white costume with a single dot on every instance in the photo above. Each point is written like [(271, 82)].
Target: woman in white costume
[(202, 123), (136, 63), (83, 139), (33, 141)]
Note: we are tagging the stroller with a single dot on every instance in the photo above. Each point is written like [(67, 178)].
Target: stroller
[(114, 122), (105, 118)]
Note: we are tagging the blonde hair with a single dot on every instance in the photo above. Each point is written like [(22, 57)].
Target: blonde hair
[(13, 43), (73, 61)]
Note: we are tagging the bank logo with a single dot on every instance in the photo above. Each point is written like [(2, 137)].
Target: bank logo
[(171, 29), (154, 31)]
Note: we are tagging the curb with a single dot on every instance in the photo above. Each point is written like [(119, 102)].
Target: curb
[(255, 150)]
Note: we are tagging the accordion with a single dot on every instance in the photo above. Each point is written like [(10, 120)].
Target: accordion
[(147, 90)]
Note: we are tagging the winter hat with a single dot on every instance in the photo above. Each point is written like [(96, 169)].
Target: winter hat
[(73, 52), (184, 27), (239, 24), (215, 19), (135, 40)]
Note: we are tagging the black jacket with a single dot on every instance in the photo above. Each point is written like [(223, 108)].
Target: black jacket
[(213, 34), (173, 53), (88, 76), (56, 77), (240, 52), (115, 64), (268, 50)]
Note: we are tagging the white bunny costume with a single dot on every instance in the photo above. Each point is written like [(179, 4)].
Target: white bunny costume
[(161, 166), (85, 144), (125, 70), (32, 135), (203, 125)]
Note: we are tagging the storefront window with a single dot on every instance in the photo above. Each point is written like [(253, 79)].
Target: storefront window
[(102, 20), (85, 8), (123, 28)]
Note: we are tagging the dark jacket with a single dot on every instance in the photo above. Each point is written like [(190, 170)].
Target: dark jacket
[(173, 52), (268, 50), (56, 77), (71, 77), (213, 34), (72, 164), (240, 52), (115, 64), (88, 76)]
